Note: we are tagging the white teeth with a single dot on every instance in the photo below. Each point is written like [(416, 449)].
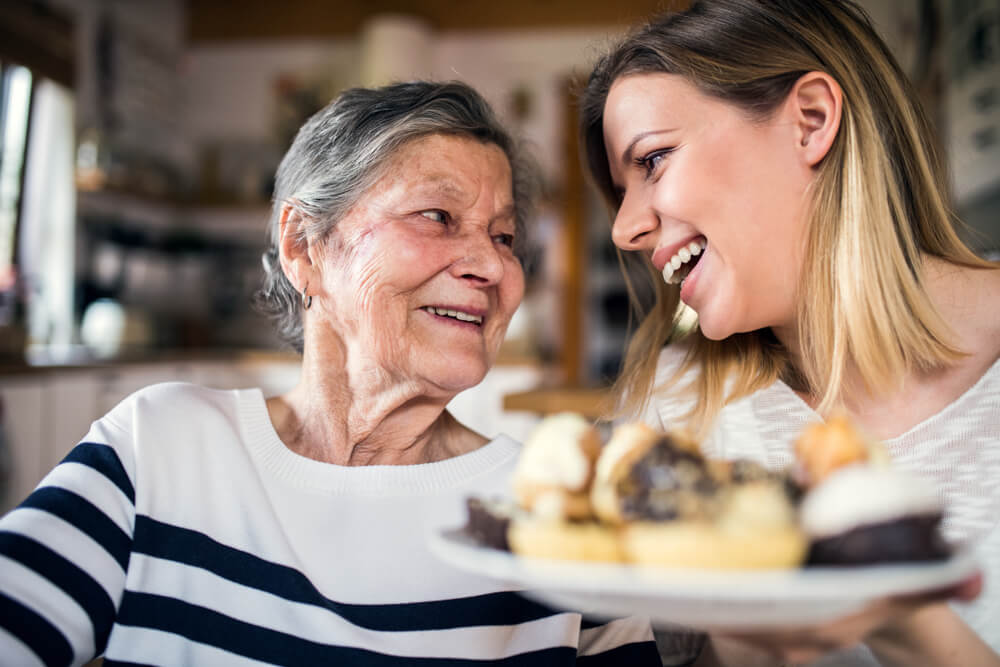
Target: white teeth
[(682, 257), (457, 314)]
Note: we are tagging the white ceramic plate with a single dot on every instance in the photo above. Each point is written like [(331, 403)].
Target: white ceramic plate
[(706, 599)]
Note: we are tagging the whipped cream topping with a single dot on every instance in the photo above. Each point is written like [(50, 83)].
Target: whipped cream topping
[(627, 439), (553, 454), (858, 495), (672, 273)]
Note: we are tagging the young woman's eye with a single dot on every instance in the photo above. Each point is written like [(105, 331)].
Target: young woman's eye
[(651, 161), (436, 215)]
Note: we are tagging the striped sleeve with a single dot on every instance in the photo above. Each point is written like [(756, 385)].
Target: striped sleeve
[(64, 552), (624, 641)]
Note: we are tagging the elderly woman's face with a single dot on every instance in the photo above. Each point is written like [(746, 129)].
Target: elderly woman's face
[(419, 280)]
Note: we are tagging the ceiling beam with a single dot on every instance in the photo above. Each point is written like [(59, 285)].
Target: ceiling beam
[(223, 20)]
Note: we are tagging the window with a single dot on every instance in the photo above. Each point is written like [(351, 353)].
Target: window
[(15, 106)]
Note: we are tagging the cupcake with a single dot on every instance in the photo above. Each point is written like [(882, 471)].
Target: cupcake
[(677, 509), (551, 484), (865, 514), (859, 509)]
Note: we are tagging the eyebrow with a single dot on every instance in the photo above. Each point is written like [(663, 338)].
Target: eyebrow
[(443, 184), (627, 153), (507, 212)]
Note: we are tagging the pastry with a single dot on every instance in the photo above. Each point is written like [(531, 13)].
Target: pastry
[(865, 514), (652, 498), (755, 528), (826, 446), (677, 509), (546, 537), (555, 468), (860, 509), (551, 485), (488, 521)]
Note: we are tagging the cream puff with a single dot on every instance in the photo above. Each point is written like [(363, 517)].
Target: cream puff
[(551, 485)]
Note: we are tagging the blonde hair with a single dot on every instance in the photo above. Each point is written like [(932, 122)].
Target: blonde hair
[(879, 203)]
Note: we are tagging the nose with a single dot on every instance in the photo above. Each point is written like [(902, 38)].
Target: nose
[(479, 259), (635, 225)]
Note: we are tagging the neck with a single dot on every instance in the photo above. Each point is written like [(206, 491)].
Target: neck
[(965, 299), (362, 416)]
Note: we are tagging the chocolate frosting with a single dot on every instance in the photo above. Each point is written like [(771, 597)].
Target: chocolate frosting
[(668, 482), (907, 539)]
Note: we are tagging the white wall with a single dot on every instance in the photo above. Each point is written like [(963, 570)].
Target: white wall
[(229, 89)]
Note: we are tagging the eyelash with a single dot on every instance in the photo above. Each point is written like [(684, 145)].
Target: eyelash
[(647, 161), (505, 239)]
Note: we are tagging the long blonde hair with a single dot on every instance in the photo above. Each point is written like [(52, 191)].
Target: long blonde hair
[(879, 203)]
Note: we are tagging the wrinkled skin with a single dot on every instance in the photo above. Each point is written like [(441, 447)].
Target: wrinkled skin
[(435, 230)]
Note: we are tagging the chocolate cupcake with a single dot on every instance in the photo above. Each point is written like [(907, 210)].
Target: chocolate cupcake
[(488, 521), (865, 514)]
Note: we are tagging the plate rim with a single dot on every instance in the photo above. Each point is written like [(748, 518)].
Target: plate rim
[(794, 585)]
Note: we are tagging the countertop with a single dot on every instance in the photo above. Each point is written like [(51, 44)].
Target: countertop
[(79, 358)]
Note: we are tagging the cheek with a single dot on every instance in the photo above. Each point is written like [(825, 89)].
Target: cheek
[(512, 289)]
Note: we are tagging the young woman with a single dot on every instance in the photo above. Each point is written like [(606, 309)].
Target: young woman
[(773, 163)]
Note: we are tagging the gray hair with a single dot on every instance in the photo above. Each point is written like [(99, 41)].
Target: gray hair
[(342, 150)]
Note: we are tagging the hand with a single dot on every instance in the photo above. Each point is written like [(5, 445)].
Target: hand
[(890, 626)]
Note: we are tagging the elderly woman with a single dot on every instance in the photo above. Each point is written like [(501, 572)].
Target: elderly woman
[(197, 526)]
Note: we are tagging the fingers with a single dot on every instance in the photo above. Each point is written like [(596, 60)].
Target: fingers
[(970, 588), (966, 590), (884, 615)]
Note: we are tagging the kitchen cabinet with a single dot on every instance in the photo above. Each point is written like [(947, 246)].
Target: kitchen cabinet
[(22, 430), (46, 411)]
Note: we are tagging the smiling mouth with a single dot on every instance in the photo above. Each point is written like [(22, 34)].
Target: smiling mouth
[(680, 265), (455, 314)]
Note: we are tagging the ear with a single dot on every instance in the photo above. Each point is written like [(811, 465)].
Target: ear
[(816, 101), (293, 247)]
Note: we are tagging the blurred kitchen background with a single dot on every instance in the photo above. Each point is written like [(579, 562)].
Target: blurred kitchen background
[(138, 140)]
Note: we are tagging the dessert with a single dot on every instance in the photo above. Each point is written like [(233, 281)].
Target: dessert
[(677, 509), (652, 498), (551, 486), (554, 471), (488, 521), (859, 509)]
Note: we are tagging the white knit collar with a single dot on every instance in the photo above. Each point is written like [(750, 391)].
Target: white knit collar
[(378, 480)]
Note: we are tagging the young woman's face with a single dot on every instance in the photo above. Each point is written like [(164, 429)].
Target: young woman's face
[(419, 279), (699, 181)]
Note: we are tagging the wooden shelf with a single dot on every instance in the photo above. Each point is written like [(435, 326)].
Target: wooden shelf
[(591, 402)]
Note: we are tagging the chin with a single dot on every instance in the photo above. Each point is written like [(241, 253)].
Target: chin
[(712, 330), (461, 376)]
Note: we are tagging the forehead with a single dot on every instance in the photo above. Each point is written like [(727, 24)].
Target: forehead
[(641, 99), (449, 163)]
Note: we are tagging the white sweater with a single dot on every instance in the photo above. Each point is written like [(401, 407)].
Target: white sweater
[(956, 450), (181, 531)]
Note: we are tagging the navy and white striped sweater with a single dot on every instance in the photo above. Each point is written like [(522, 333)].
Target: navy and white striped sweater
[(182, 532)]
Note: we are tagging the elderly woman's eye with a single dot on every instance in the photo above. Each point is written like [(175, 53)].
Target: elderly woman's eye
[(435, 215), (505, 239)]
